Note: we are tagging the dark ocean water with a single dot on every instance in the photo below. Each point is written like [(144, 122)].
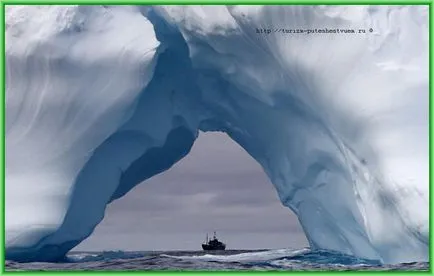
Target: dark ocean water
[(279, 259)]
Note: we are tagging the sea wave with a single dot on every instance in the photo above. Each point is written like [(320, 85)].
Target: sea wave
[(276, 259)]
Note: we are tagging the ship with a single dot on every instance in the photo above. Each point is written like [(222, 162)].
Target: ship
[(213, 244)]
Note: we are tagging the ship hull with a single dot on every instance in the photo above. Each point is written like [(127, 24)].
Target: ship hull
[(211, 247)]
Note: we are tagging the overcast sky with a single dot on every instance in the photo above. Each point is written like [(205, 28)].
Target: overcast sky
[(218, 186)]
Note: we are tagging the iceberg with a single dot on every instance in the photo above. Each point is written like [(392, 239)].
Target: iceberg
[(101, 98)]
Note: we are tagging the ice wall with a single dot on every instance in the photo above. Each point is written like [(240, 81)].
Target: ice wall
[(99, 99)]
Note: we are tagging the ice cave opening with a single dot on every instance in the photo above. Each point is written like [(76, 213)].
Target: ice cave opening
[(217, 186)]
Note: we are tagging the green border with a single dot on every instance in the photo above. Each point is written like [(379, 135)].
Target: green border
[(211, 2), (216, 2), (3, 140), (430, 131)]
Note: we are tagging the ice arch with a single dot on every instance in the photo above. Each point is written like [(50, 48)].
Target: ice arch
[(99, 99), (174, 209)]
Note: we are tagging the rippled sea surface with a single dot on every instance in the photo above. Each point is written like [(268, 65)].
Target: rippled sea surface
[(279, 259)]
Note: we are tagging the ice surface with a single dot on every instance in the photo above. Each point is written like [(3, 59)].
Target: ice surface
[(101, 98)]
